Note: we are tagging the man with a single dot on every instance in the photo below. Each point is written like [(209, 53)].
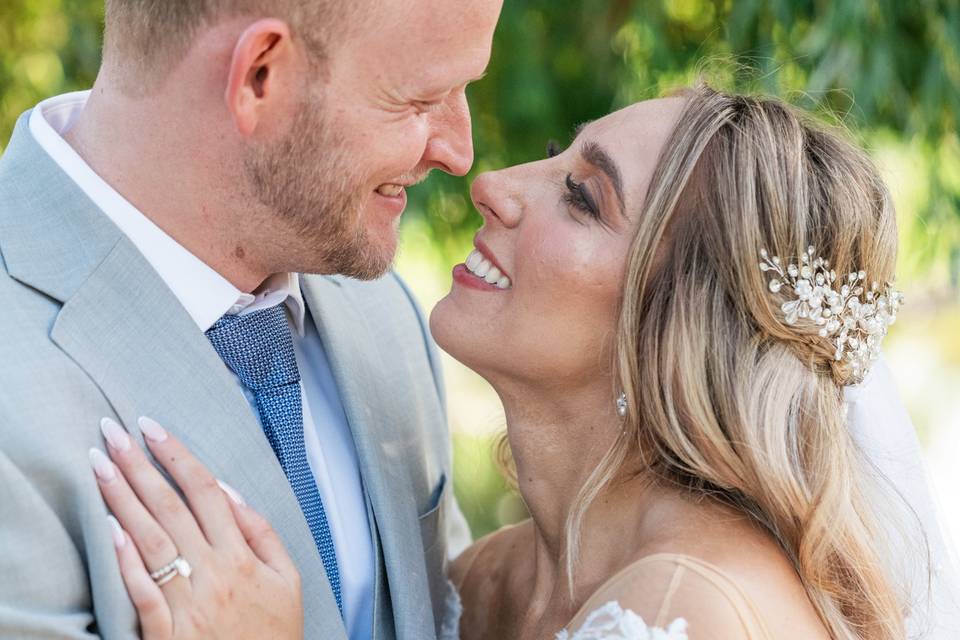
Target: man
[(226, 148)]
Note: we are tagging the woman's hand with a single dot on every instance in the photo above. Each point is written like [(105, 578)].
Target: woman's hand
[(242, 583)]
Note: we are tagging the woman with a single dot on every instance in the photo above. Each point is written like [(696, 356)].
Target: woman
[(671, 360)]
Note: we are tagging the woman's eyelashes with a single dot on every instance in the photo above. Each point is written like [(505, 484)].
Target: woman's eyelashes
[(578, 196)]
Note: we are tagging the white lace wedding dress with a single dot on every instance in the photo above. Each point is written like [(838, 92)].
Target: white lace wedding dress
[(613, 622), (609, 622)]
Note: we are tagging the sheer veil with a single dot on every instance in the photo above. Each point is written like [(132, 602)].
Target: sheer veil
[(915, 543)]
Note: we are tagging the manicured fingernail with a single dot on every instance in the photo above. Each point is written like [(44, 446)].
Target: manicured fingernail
[(230, 491), (115, 434), (117, 531), (102, 466), (152, 430)]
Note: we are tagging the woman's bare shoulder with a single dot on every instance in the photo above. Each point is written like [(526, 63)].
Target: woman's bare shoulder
[(490, 553), (729, 564), (670, 589)]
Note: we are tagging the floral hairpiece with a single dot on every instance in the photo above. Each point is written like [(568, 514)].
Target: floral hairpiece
[(855, 321)]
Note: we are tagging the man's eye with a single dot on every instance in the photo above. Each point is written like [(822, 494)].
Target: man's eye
[(427, 106)]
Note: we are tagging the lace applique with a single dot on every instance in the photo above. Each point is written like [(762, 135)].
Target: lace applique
[(612, 622)]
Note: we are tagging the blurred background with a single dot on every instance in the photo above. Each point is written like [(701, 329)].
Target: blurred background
[(887, 70)]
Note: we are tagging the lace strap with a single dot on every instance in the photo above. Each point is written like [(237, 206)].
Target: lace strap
[(668, 596), (683, 566)]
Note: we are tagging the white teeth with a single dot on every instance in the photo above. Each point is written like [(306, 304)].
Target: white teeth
[(493, 275), (390, 190), (484, 269), (473, 260)]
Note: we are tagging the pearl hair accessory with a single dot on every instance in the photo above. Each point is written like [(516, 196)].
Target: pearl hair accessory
[(855, 321)]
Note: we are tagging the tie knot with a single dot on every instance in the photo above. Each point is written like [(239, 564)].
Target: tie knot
[(257, 347)]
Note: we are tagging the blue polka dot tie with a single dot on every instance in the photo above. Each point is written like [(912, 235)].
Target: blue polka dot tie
[(259, 349)]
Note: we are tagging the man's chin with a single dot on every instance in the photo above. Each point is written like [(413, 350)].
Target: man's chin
[(368, 262)]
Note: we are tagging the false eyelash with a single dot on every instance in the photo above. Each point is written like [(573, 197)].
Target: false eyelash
[(553, 148), (580, 198)]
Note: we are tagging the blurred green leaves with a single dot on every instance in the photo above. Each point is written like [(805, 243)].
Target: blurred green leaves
[(46, 47), (888, 70)]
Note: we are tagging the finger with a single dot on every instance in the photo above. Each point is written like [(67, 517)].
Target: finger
[(207, 502), (155, 546), (260, 536), (156, 620), (155, 493)]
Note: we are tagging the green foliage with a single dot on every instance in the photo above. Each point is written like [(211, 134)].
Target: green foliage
[(885, 68), (46, 47), (483, 494)]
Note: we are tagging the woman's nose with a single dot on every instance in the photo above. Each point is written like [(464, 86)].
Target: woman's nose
[(494, 197)]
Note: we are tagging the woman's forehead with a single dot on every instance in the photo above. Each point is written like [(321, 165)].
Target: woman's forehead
[(648, 120), (634, 137)]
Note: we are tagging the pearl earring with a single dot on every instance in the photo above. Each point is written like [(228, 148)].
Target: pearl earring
[(622, 405)]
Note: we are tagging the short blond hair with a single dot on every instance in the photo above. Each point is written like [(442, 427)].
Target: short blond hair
[(149, 36)]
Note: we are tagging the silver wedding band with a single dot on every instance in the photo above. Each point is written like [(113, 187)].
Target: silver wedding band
[(177, 567)]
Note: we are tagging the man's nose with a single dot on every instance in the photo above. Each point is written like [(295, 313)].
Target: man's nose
[(450, 146)]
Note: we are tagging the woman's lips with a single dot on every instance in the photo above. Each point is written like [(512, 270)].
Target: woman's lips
[(488, 254), (462, 276)]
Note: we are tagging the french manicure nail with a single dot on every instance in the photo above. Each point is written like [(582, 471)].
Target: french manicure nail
[(152, 430), (117, 532), (102, 466), (115, 434), (230, 491)]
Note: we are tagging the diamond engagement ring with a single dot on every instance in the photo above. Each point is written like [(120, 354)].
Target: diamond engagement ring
[(178, 567)]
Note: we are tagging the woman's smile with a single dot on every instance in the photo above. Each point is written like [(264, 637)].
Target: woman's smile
[(481, 270)]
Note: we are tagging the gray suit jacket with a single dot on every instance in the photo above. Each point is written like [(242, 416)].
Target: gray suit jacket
[(88, 329)]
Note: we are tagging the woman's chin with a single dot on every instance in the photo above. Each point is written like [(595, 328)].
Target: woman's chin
[(458, 334), (443, 326)]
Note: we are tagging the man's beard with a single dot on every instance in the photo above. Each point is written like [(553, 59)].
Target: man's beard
[(307, 182)]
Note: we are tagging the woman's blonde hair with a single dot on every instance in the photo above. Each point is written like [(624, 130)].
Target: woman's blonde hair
[(724, 398)]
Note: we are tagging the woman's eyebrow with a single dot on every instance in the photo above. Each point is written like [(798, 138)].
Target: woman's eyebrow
[(598, 157)]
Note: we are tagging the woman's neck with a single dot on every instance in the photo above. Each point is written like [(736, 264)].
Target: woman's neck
[(557, 441)]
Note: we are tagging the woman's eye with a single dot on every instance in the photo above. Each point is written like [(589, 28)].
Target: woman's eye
[(579, 197)]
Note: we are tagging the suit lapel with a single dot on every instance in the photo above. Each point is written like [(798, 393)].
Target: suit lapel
[(123, 327), (366, 395)]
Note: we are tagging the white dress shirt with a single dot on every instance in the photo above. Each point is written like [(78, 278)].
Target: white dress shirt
[(206, 295)]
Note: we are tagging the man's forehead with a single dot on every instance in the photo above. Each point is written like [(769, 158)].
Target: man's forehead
[(437, 18)]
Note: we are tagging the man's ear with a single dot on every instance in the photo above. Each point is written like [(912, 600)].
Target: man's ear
[(252, 76)]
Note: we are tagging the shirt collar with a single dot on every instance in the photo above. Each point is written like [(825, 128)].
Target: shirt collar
[(204, 293), (279, 288)]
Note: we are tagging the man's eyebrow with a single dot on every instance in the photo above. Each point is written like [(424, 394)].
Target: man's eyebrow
[(598, 157)]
